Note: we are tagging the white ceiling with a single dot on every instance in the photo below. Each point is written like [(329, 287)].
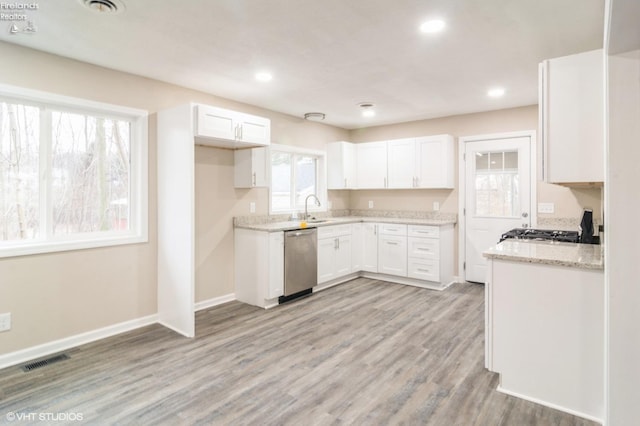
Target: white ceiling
[(329, 55)]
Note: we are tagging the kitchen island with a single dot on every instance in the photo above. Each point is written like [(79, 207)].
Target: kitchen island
[(544, 323)]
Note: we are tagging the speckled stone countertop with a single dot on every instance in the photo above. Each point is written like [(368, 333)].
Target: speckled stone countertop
[(328, 221), (586, 256)]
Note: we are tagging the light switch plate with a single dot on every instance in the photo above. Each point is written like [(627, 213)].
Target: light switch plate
[(329, 205), (370, 204), (546, 207), (436, 206), (252, 207), (5, 322)]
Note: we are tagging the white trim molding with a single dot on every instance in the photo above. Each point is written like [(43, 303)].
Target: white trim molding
[(210, 303), (39, 351)]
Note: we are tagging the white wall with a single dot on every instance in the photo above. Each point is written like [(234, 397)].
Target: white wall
[(622, 239)]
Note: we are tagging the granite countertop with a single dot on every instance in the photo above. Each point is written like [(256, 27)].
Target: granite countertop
[(586, 256), (290, 225)]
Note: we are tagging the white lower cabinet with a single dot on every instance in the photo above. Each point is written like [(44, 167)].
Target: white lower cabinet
[(392, 250), (369, 247), (334, 252), (424, 252), (259, 282)]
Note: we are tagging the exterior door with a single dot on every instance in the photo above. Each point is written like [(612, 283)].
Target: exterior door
[(497, 196)]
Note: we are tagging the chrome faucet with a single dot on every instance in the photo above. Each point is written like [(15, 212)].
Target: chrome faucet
[(306, 205)]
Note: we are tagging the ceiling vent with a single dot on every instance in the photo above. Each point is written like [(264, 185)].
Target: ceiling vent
[(104, 6)]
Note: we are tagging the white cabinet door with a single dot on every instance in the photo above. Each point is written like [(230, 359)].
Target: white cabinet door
[(253, 129), (326, 259), (372, 165), (357, 247), (401, 163), (392, 255), (370, 247), (276, 265), (435, 162), (341, 165), (250, 168), (213, 122), (342, 260), (572, 117)]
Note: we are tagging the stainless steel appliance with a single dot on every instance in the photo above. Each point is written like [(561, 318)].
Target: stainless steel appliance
[(541, 234), (300, 263), (548, 235)]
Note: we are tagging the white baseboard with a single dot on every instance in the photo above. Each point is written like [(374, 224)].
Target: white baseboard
[(39, 351), (209, 303), (550, 405)]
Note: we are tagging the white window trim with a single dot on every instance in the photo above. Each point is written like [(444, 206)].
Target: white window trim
[(139, 213), (321, 181)]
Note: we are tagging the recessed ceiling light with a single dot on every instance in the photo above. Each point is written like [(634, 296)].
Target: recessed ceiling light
[(433, 26), (263, 76), (496, 92), (367, 109)]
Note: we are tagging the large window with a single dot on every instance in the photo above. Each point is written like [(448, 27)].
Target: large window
[(72, 174), (296, 174)]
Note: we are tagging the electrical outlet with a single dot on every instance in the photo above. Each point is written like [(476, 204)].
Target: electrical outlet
[(329, 205), (546, 207), (436, 206), (252, 207), (5, 322), (370, 204)]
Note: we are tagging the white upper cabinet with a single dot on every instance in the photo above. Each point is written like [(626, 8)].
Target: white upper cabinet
[(371, 165), (572, 118), (341, 165), (401, 163), (250, 170), (435, 162), (424, 162), (230, 129)]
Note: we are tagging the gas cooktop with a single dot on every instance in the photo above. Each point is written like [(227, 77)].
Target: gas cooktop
[(541, 234)]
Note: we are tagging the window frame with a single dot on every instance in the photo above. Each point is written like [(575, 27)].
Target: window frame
[(138, 231), (321, 177)]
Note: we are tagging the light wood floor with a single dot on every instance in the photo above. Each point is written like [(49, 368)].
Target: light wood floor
[(365, 352)]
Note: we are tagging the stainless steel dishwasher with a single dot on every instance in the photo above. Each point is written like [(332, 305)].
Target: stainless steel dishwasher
[(300, 263)]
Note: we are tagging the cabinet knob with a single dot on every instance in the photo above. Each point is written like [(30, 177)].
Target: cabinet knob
[(525, 214)]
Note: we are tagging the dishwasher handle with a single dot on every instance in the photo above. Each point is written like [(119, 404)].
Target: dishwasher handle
[(300, 232)]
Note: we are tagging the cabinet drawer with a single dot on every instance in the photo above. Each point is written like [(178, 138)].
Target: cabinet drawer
[(425, 231), (424, 269), (393, 229), (334, 231), (424, 248)]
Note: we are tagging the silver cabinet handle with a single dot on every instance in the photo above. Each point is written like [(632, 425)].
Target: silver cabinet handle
[(423, 270), (375, 229), (385, 182), (417, 182), (393, 243), (254, 178), (345, 182)]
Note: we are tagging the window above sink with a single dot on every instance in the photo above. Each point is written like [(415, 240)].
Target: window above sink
[(296, 173)]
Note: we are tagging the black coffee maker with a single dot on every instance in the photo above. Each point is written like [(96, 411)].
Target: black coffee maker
[(586, 225)]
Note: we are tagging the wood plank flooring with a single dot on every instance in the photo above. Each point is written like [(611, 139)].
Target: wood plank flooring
[(365, 353)]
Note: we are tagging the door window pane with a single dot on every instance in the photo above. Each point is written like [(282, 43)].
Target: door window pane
[(497, 185), (19, 172)]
